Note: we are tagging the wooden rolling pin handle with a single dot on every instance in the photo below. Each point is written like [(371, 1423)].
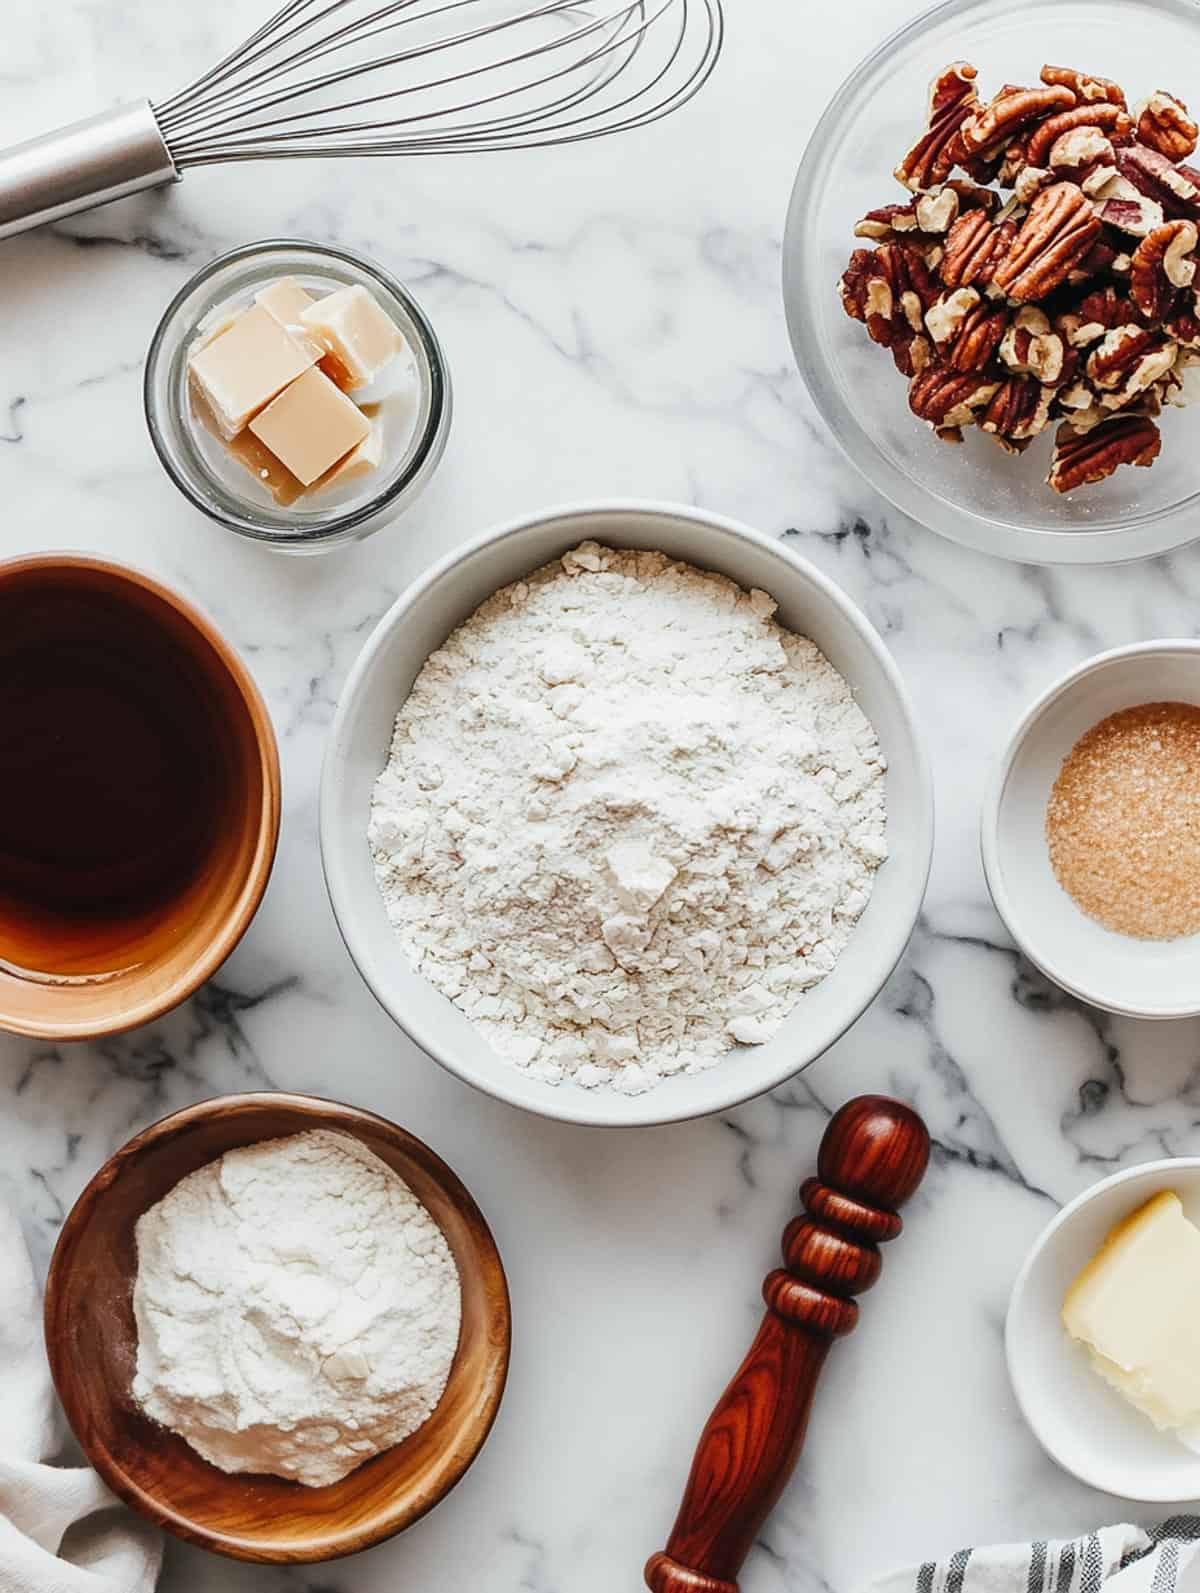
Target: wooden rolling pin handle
[(872, 1157)]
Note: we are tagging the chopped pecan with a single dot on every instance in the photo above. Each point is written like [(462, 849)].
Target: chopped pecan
[(1058, 231), (1082, 407), (1163, 124), (1083, 155), (971, 196), (1184, 325), (1121, 205), (1032, 347), (1083, 458), (1096, 313), (1127, 361), (911, 352), (1176, 188), (1100, 257), (1163, 264), (1027, 182), (990, 127), (886, 221), (952, 98), (948, 312), (888, 288), (1085, 88), (974, 244), (1106, 118), (948, 398)]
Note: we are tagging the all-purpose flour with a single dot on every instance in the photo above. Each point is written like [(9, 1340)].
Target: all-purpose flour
[(627, 819), (297, 1308)]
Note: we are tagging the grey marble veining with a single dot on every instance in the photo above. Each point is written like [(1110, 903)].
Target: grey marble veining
[(612, 317)]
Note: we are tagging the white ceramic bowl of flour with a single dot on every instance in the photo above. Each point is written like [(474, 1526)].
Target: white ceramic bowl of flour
[(421, 620)]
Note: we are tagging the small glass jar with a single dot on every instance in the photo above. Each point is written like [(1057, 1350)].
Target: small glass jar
[(225, 490)]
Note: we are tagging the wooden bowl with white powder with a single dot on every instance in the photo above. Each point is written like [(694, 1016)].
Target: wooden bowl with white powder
[(92, 1344)]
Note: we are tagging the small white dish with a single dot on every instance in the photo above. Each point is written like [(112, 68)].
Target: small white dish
[(1079, 1420), (1138, 978), (357, 750)]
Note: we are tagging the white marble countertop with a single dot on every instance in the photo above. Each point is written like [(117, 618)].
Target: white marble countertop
[(612, 316)]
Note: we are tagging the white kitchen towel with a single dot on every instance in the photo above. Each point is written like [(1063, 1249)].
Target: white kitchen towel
[(61, 1531), (1121, 1559)]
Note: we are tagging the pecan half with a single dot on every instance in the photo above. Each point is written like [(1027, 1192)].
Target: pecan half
[(889, 289), (978, 337), (973, 246), (952, 98), (1031, 346), (1163, 264), (1163, 124), (1056, 234), (1126, 362), (1084, 87), (1019, 409), (1176, 188), (1111, 120), (990, 127), (1083, 458), (947, 398)]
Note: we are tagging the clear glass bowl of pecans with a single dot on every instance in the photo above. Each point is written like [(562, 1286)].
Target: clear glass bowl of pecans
[(991, 268)]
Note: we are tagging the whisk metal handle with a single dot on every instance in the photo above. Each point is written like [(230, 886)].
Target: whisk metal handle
[(88, 163)]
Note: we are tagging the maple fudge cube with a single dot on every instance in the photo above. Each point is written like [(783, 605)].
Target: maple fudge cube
[(311, 425), (360, 461), (358, 337), (242, 369), (285, 299)]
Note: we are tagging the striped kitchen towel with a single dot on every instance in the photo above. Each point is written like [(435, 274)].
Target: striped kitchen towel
[(1121, 1559)]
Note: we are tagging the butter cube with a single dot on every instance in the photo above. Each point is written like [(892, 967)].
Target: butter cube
[(1136, 1305), (358, 337), (285, 299), (360, 461), (244, 367), (311, 425)]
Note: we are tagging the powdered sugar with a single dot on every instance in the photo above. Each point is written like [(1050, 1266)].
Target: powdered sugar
[(297, 1308), (627, 819)]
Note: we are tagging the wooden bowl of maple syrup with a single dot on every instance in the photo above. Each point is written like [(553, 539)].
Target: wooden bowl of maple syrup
[(139, 798)]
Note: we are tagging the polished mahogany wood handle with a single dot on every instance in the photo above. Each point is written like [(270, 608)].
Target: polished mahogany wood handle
[(872, 1157)]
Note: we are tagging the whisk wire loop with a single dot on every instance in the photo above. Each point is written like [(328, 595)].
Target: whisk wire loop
[(543, 72)]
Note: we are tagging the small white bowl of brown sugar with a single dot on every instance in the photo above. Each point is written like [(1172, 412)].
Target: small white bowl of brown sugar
[(1091, 831)]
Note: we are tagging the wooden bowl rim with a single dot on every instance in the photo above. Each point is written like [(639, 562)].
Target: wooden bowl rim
[(259, 872), (325, 1113)]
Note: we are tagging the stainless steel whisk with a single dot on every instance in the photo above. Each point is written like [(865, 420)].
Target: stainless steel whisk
[(405, 77)]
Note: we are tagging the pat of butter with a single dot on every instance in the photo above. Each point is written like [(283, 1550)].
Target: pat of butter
[(360, 461), (243, 367), (311, 425), (285, 299), (358, 336), (1136, 1306)]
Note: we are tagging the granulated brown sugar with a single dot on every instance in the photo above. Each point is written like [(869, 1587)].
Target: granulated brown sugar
[(1123, 821)]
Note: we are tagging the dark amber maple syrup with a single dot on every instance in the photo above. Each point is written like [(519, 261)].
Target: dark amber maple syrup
[(113, 771)]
